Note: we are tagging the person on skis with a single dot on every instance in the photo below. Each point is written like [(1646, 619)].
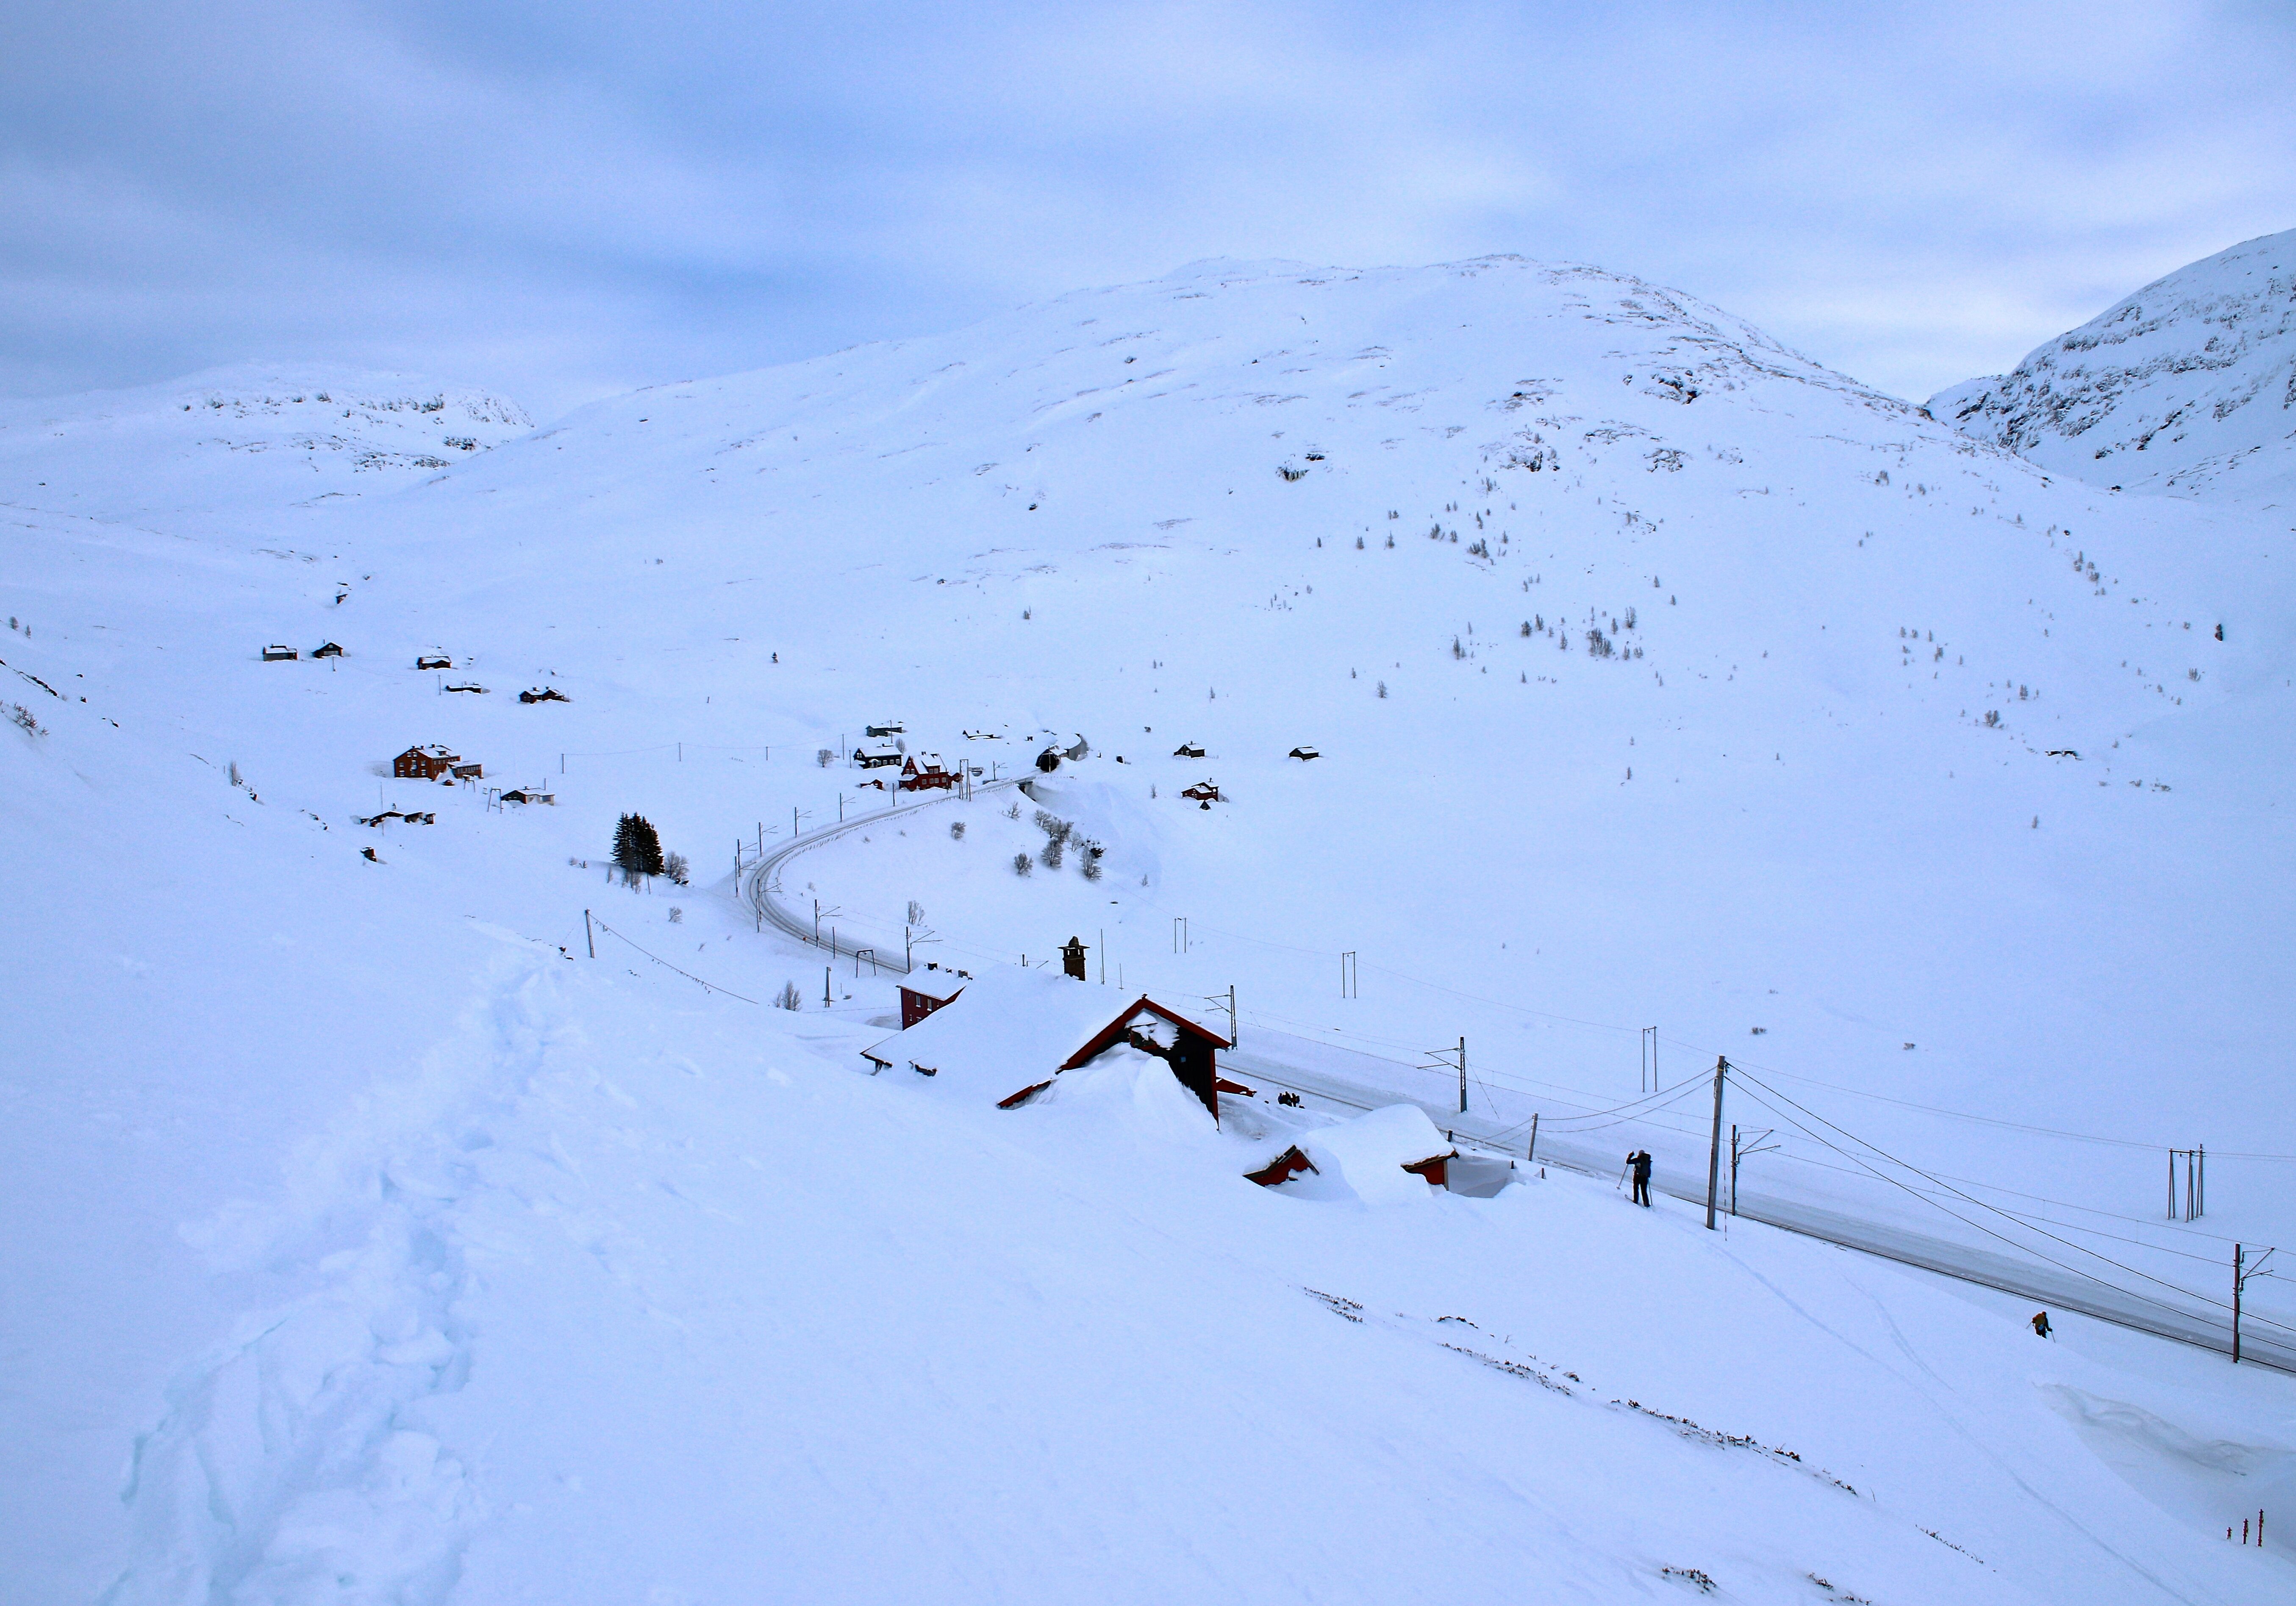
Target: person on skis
[(2041, 1323), (1640, 1161)]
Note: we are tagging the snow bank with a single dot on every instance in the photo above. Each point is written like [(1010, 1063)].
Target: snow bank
[(1369, 1152)]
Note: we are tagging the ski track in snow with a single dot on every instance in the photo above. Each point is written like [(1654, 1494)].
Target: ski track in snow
[(295, 1465)]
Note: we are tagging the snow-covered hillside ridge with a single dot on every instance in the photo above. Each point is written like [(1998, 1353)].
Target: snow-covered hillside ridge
[(419, 1213), (293, 430), (2188, 386)]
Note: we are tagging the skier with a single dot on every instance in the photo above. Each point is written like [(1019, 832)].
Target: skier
[(1640, 1160), (2041, 1323)]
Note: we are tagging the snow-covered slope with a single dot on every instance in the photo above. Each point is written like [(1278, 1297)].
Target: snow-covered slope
[(260, 433), (2186, 386), (402, 1251)]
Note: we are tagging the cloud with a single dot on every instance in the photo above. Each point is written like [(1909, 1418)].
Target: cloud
[(557, 200)]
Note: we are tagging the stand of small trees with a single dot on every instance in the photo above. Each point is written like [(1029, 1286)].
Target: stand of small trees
[(637, 848)]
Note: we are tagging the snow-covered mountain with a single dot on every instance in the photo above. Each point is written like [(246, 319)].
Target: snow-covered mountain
[(2187, 387), (264, 433), (401, 1250)]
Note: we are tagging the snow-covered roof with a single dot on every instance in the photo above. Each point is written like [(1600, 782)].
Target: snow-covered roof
[(1007, 1029), (1370, 1151), (935, 984)]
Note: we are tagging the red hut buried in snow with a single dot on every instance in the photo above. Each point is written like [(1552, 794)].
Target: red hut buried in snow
[(1011, 1033), (1170, 1036)]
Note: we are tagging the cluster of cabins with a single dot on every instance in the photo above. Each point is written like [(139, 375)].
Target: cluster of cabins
[(279, 653), (1010, 1036)]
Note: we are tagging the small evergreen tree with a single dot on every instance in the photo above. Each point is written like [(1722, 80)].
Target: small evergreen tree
[(637, 846)]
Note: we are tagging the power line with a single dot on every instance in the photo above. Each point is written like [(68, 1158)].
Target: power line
[(1978, 1204), (665, 964)]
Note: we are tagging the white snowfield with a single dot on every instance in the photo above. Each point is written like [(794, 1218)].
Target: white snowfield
[(366, 1240), (2186, 387)]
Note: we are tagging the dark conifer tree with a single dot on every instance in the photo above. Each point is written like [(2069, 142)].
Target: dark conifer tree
[(637, 846)]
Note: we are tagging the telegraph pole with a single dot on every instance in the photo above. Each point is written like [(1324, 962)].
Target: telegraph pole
[(1463, 1075), (1714, 1150), (586, 935)]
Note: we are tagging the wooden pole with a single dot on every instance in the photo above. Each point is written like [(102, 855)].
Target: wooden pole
[(588, 936), (1463, 1075), (1531, 1155)]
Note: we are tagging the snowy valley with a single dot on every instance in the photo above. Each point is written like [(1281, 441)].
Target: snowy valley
[(1667, 696)]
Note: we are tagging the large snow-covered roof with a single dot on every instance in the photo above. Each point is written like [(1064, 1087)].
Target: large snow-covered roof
[(1011, 1027), (1007, 1029)]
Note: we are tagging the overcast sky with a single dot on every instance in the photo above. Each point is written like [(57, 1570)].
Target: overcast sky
[(557, 198)]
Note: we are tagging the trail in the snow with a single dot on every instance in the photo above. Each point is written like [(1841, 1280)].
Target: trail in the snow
[(297, 1464)]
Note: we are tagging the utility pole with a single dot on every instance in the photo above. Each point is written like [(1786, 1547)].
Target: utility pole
[(588, 936), (1714, 1150), (1531, 1155), (1232, 1033), (1347, 974), (825, 986), (1649, 1083), (1463, 1075), (1103, 956), (1756, 1144)]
